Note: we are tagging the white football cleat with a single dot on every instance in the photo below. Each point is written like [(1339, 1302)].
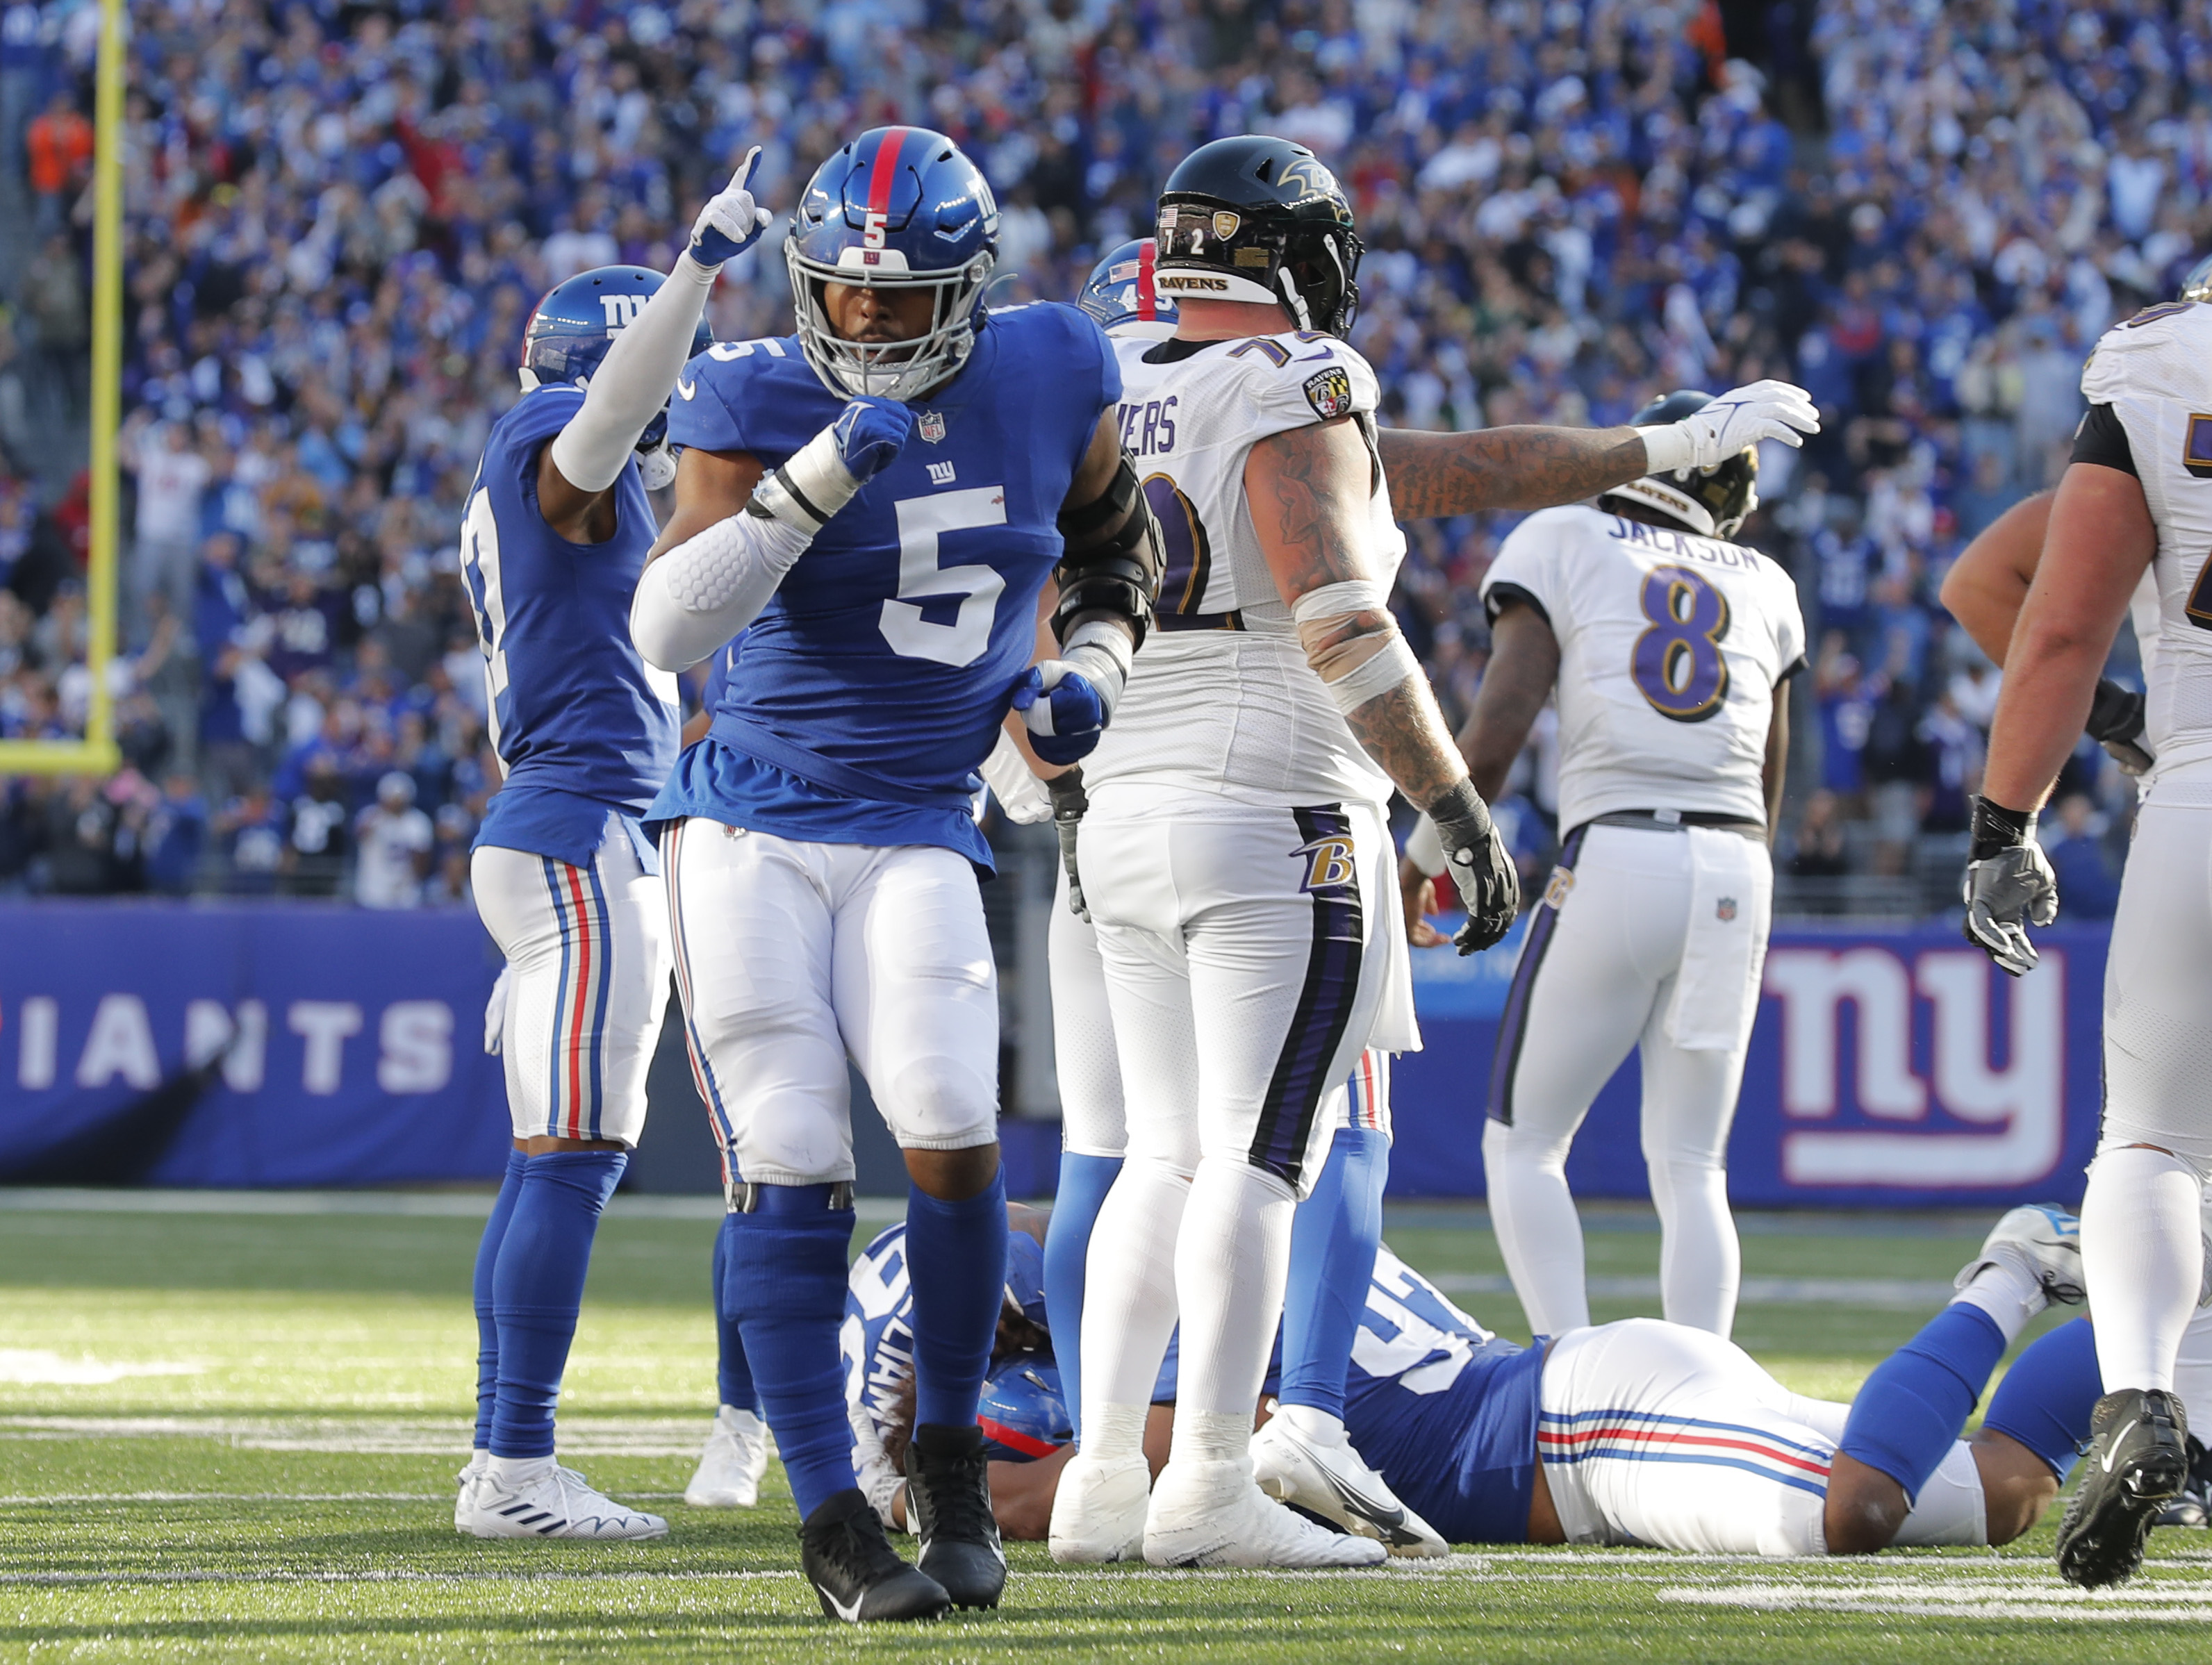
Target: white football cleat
[(551, 1502), (1098, 1509), (1213, 1514), (731, 1466), (468, 1477), (2044, 1241), (1332, 1481)]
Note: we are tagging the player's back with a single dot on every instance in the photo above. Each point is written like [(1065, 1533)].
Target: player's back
[(1445, 1411), (1670, 647), (1222, 700), (2155, 371), (885, 662), (576, 715)]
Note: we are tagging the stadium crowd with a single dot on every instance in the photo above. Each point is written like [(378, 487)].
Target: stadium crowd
[(339, 215)]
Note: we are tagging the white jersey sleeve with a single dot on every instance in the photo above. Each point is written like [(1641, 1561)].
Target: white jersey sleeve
[(2154, 371), (1221, 699), (1671, 646)]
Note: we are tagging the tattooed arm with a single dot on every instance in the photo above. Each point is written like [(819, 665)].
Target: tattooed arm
[(1307, 490), (1504, 468)]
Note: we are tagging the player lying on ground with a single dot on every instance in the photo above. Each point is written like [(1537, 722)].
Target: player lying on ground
[(2136, 498), (556, 533), (882, 498), (1639, 1431)]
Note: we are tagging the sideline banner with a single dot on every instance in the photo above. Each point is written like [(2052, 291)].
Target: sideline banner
[(1891, 1068), (283, 1044)]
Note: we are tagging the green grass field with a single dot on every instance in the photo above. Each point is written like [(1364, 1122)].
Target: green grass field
[(234, 1436)]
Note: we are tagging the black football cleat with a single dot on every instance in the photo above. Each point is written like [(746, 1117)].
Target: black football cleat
[(948, 1492), (2137, 1463), (2193, 1506), (856, 1574)]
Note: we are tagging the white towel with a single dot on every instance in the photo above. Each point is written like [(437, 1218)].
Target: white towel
[(1725, 950)]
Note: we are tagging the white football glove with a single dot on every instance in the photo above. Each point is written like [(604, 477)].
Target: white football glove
[(880, 1481), (1020, 793), (495, 1015), (732, 221), (1741, 417)]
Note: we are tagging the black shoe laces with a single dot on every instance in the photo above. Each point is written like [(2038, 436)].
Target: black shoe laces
[(959, 1496), (856, 1546)]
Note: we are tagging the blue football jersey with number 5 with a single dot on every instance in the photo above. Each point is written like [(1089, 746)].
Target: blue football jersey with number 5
[(859, 705)]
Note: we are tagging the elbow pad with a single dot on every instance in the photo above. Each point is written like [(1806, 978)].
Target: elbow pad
[(1353, 642), (1114, 571), (711, 585)]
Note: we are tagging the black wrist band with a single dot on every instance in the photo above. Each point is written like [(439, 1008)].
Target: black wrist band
[(1997, 827), (2115, 713), (1069, 800), (1460, 811)]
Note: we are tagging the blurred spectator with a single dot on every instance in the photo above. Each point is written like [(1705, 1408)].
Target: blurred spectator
[(176, 836), (2087, 888), (1817, 847), (395, 840), (60, 158)]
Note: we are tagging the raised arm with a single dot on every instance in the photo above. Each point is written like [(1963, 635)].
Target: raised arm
[(1308, 490), (1988, 582)]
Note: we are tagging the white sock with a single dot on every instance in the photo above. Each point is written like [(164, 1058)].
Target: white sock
[(1538, 1230), (1129, 1287), (512, 1473), (2142, 1257), (1112, 1431), (2192, 1374), (1211, 1435), (1700, 1263), (1316, 1425), (1231, 1266), (2009, 1294)]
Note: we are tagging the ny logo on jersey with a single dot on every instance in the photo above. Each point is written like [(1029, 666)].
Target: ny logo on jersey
[(940, 474), (1329, 863), (622, 311)]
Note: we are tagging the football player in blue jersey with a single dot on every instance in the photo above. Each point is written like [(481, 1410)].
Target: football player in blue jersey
[(1635, 1432), (557, 530), (884, 497)]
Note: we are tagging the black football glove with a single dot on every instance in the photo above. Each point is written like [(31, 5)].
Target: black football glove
[(1068, 804), (2116, 723), (2009, 886), (1475, 857)]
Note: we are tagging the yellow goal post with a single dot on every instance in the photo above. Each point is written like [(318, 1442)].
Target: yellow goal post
[(95, 753)]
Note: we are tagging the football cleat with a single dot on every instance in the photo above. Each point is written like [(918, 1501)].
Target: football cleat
[(468, 1477), (730, 1469), (2044, 1241), (1213, 1514), (2137, 1463), (2192, 1505), (551, 1502), (1330, 1481), (856, 1574), (1098, 1509), (948, 1499)]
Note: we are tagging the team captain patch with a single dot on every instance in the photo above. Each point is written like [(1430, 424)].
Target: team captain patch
[(1329, 393)]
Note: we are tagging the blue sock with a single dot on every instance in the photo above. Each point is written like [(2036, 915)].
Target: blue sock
[(783, 1282), (955, 1258), (733, 1376), (2045, 1399), (537, 1287), (1906, 1417), (1334, 1237), (503, 1210), (1083, 1183)]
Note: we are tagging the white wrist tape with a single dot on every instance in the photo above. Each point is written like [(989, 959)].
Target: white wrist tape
[(710, 586), (1100, 651), (1667, 448), (810, 487), (1350, 595), (1425, 847), (632, 383), (1392, 664)]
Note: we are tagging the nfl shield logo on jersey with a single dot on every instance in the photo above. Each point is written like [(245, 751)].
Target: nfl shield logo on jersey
[(932, 426), (1329, 393), (1724, 910)]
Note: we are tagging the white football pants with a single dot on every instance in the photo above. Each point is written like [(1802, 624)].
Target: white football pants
[(1624, 920), (587, 984), (790, 955), (1658, 1434)]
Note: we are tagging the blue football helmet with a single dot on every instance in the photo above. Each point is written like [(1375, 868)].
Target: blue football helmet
[(898, 208), (571, 331), (1023, 1412), (1121, 296), (1025, 1277)]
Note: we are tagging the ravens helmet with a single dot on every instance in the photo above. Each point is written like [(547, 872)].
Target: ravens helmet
[(1261, 219), (1714, 501), (572, 328), (1119, 295), (899, 208), (2197, 286)]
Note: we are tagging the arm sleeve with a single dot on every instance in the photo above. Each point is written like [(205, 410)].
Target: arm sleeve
[(2102, 439), (633, 380)]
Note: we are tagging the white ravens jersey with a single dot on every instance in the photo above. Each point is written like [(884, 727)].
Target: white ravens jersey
[(1221, 699), (2155, 371), (1670, 647)]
